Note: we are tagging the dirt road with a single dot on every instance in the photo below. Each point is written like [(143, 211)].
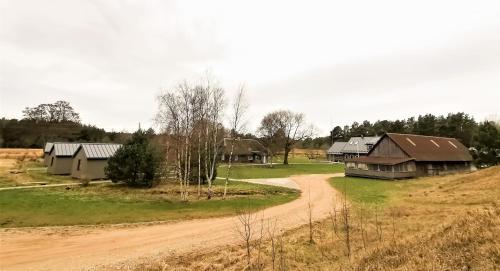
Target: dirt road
[(88, 248)]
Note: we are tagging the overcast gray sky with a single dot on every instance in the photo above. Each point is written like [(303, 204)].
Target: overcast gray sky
[(335, 61)]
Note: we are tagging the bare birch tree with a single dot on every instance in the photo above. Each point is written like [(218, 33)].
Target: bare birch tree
[(236, 124), (190, 118)]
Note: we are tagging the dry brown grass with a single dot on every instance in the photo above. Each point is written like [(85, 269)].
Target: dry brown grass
[(11, 153), (438, 223)]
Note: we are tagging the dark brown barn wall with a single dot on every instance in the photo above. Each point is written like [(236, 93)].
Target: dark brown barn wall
[(387, 148)]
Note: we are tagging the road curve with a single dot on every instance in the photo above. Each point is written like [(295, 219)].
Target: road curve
[(82, 248)]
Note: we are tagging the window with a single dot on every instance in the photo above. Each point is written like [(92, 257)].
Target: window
[(236, 158), (409, 140), (250, 158), (78, 166), (52, 161), (434, 142)]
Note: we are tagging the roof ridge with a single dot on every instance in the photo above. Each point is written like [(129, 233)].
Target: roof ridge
[(421, 135)]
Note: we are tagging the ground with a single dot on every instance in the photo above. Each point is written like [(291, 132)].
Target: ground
[(85, 247), (435, 223)]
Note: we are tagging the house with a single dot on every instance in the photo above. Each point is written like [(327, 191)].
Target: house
[(244, 151), (334, 153), (359, 146), (61, 158), (90, 160), (397, 156), (355, 147), (46, 155)]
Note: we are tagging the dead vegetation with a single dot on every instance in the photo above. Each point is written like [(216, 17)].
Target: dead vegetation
[(442, 223)]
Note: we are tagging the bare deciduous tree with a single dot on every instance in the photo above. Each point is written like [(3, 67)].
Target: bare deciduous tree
[(236, 122), (285, 127), (190, 118), (245, 230)]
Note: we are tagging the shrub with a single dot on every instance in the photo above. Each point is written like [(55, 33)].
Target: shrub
[(136, 163)]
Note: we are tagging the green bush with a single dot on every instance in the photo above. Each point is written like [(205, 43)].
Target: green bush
[(137, 162)]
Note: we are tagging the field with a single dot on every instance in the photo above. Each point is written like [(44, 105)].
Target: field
[(21, 154), (279, 170), (435, 223), (108, 203)]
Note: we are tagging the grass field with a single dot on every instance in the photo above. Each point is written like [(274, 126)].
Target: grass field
[(104, 204), (278, 171), (17, 172), (374, 191), (435, 223)]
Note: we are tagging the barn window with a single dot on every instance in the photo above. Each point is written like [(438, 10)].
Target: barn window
[(78, 166), (52, 161), (451, 143), (409, 140), (434, 142)]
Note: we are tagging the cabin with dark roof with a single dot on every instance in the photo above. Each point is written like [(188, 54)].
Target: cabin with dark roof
[(90, 160), (61, 158), (397, 156), (244, 151)]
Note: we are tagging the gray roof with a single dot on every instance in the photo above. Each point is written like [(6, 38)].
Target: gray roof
[(359, 144), (336, 148), (64, 149), (99, 150), (48, 147)]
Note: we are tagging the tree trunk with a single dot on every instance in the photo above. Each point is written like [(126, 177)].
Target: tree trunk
[(229, 168), (287, 151)]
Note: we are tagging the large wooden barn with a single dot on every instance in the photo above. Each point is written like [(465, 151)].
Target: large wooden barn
[(397, 156), (90, 160)]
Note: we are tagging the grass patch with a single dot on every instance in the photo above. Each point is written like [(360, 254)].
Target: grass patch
[(371, 191), (279, 171), (108, 204)]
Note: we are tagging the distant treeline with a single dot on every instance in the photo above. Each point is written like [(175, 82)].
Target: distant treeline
[(28, 133)]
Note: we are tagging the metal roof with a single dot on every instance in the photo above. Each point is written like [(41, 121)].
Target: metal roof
[(360, 144), (99, 150), (336, 148), (431, 148), (64, 149), (48, 147)]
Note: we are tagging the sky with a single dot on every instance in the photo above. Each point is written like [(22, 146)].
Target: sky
[(335, 61)]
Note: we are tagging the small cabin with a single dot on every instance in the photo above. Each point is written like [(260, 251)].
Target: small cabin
[(397, 156), (46, 153), (60, 158), (91, 159)]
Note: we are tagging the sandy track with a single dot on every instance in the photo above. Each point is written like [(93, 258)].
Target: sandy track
[(80, 248)]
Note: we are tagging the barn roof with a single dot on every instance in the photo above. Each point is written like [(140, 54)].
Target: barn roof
[(64, 149), (48, 147), (336, 148), (244, 146), (431, 148), (98, 150), (360, 144)]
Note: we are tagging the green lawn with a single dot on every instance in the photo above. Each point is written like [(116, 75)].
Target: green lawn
[(278, 171), (372, 191), (107, 204)]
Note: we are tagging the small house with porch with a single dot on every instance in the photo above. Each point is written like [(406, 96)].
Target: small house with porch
[(244, 151), (397, 156)]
